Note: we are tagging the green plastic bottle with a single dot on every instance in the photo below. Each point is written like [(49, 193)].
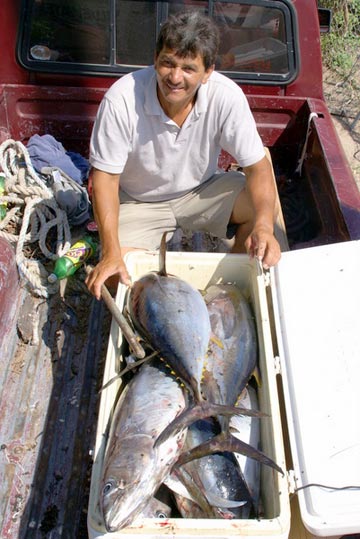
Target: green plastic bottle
[(77, 254), (3, 206)]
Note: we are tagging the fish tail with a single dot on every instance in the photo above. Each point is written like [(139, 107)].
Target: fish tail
[(226, 442), (201, 411)]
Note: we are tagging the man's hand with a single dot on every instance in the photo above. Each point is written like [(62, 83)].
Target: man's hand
[(107, 267), (262, 244), (261, 197), (106, 203)]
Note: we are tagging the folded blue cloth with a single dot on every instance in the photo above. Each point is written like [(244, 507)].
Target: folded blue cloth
[(81, 163), (46, 151)]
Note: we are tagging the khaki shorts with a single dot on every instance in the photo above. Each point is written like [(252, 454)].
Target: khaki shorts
[(207, 208)]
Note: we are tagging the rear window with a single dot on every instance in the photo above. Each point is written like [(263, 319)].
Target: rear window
[(258, 39)]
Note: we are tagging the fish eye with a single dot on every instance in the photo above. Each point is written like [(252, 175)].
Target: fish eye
[(160, 514), (107, 488)]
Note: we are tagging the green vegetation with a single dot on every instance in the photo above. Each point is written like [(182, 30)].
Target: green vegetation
[(340, 48)]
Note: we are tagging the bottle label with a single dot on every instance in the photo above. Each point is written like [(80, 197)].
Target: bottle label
[(78, 254)]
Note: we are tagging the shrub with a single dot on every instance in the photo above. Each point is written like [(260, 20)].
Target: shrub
[(340, 47)]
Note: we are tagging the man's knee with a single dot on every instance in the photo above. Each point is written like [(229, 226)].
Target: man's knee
[(242, 211)]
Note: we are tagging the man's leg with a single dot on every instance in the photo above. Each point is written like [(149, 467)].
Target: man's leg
[(142, 224), (243, 216)]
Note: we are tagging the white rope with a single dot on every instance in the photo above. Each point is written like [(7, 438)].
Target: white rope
[(298, 169), (35, 210)]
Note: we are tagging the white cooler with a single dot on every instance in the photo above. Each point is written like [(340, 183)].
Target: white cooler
[(307, 314)]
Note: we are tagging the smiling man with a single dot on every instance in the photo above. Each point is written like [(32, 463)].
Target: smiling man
[(154, 152)]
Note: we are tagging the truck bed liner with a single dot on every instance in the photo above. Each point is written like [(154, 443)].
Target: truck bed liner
[(48, 407)]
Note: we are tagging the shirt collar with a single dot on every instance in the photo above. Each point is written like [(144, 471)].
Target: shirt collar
[(201, 100)]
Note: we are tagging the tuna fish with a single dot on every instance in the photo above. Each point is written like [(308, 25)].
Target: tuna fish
[(232, 358), (171, 315), (218, 477), (233, 349), (133, 468), (232, 480)]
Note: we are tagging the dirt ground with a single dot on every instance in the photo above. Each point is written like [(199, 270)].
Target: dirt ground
[(343, 99)]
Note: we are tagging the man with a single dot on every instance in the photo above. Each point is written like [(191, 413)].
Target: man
[(157, 137)]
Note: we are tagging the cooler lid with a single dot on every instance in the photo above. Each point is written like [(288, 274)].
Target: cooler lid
[(316, 296)]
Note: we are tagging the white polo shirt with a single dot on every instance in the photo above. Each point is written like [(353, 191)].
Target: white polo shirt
[(156, 158)]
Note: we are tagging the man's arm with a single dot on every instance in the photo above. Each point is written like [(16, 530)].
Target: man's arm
[(106, 203), (260, 187)]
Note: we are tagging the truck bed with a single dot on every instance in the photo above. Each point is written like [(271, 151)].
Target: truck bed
[(49, 397)]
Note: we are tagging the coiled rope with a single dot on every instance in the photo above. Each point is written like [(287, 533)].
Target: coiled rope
[(34, 212)]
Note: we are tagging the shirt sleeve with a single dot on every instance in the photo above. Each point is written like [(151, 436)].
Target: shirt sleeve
[(111, 137), (239, 134)]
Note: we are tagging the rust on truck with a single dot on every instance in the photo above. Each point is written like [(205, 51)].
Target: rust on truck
[(58, 59)]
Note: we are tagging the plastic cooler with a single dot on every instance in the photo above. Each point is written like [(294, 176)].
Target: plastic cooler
[(309, 345)]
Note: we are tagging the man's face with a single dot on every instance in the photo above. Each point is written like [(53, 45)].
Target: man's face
[(179, 78)]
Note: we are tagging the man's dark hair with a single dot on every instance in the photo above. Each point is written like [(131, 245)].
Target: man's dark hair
[(190, 33)]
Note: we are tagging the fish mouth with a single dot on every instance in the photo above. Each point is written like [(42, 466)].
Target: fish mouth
[(112, 528), (115, 519), (112, 521)]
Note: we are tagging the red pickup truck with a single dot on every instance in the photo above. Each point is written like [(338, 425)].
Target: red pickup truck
[(58, 57)]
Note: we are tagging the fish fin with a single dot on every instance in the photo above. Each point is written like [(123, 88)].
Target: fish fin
[(257, 376), (223, 503), (128, 368), (201, 411), (162, 256), (226, 442)]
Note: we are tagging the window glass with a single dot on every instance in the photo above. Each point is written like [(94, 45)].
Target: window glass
[(253, 38), (70, 31), (258, 42), (135, 32)]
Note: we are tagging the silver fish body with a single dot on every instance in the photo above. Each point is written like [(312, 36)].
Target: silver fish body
[(218, 477), (247, 429), (133, 468), (233, 349), (172, 316)]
